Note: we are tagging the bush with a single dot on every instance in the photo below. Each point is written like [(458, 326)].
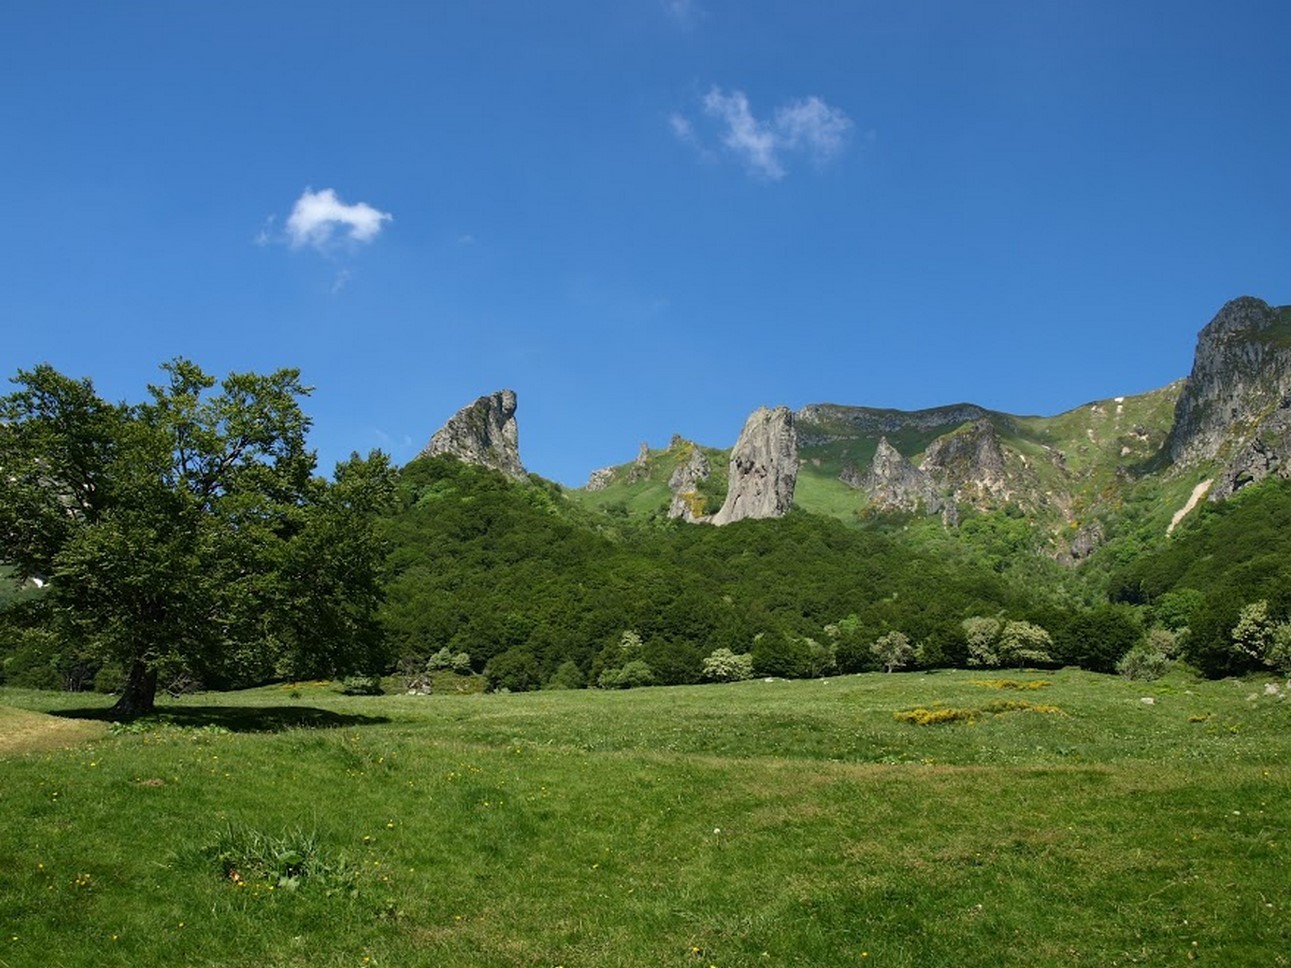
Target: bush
[(515, 670), (723, 665), (778, 654), (566, 676), (1024, 643), (635, 673), (1143, 663)]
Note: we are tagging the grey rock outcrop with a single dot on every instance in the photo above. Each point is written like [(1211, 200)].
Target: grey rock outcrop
[(1240, 374), (692, 467), (640, 466), (483, 433), (764, 468), (895, 484), (969, 462), (600, 479)]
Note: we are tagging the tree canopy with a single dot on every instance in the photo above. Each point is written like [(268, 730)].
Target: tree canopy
[(188, 532)]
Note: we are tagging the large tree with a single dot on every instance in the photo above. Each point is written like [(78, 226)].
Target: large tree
[(188, 533)]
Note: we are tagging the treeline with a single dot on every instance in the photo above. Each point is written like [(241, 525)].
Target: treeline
[(1228, 556), (538, 593)]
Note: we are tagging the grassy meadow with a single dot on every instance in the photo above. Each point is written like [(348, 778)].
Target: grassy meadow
[(953, 818)]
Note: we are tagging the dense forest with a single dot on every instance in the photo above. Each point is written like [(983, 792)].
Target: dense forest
[(515, 582)]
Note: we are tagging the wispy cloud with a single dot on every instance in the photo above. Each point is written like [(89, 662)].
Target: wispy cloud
[(807, 128), (317, 216), (685, 13)]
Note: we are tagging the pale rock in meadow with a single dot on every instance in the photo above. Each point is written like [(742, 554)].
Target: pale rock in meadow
[(483, 433), (763, 469), (600, 479)]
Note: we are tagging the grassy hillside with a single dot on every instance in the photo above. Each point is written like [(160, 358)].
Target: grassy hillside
[(783, 823)]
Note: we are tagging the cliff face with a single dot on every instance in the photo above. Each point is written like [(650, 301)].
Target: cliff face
[(1240, 374), (764, 468), (483, 433), (692, 468), (895, 484), (969, 462)]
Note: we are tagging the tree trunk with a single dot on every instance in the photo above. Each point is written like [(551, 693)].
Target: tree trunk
[(140, 694)]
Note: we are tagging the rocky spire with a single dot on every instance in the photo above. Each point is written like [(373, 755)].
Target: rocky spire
[(895, 484), (1241, 373), (483, 433), (764, 468), (692, 467)]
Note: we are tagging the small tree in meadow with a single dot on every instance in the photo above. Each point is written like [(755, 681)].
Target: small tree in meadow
[(982, 633), (723, 665), (893, 650), (1023, 643)]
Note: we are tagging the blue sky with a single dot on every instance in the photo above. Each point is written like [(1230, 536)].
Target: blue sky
[(647, 216)]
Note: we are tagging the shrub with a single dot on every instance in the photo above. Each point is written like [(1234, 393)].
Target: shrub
[(515, 670), (635, 673), (566, 676), (1143, 663), (778, 654), (723, 665)]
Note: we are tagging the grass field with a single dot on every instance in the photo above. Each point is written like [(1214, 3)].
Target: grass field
[(784, 823)]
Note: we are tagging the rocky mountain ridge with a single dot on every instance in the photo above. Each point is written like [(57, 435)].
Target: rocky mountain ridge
[(1230, 419)]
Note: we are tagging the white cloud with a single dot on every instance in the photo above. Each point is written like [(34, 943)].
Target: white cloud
[(317, 215), (808, 127), (813, 125), (749, 138)]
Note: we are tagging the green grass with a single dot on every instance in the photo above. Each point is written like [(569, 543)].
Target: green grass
[(781, 823)]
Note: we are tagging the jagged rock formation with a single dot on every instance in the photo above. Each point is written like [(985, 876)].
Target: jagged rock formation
[(764, 468), (893, 483), (600, 479), (692, 467), (969, 463), (483, 433), (1241, 374), (641, 466)]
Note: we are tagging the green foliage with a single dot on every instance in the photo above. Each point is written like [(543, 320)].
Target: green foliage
[(1096, 639), (186, 532), (515, 670), (723, 665), (893, 650), (981, 633), (246, 857), (1024, 643), (566, 676), (1143, 663), (631, 675), (484, 564)]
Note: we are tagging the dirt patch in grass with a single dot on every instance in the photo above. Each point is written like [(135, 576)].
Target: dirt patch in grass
[(22, 731)]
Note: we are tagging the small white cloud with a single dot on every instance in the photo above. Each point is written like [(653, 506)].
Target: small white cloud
[(808, 127), (745, 135), (341, 280), (317, 215), (814, 126)]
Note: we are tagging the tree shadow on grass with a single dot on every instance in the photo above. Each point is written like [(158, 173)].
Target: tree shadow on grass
[(236, 719)]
